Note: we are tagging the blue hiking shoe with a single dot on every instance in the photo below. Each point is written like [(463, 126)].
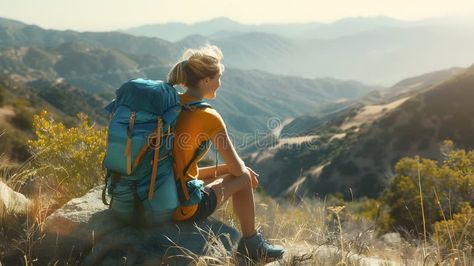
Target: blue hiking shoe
[(257, 248)]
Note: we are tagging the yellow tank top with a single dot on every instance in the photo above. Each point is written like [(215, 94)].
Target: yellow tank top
[(192, 128)]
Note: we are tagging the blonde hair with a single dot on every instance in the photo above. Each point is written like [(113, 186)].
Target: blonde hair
[(196, 64)]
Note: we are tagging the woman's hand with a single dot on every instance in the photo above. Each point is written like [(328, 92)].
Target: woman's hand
[(253, 178), (234, 165)]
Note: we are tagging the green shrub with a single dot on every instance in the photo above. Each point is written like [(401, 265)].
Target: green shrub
[(444, 187), (68, 159), (458, 232)]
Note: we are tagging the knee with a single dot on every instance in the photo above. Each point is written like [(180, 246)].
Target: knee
[(246, 180)]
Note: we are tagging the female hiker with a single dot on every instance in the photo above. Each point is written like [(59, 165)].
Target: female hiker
[(199, 72)]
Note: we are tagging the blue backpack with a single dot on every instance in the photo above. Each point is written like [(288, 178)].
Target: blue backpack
[(139, 164)]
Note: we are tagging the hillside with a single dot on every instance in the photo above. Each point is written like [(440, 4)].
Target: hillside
[(97, 70), (376, 99), (15, 33), (353, 150), (416, 127), (250, 100)]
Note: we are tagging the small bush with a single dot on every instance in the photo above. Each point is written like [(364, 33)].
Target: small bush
[(457, 232), (68, 159)]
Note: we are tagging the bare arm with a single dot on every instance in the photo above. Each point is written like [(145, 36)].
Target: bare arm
[(211, 171), (234, 165)]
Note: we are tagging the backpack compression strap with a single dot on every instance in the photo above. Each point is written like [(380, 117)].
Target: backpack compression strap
[(156, 148), (114, 176), (128, 148)]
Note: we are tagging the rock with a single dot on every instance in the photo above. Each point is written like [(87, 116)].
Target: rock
[(176, 244), (83, 218), (85, 229), (12, 202)]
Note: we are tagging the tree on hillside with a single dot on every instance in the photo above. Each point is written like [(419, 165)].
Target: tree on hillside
[(439, 189)]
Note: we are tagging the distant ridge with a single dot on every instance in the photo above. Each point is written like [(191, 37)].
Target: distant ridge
[(353, 149), (174, 31)]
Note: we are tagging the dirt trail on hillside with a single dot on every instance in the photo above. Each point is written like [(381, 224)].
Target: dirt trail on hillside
[(370, 113)]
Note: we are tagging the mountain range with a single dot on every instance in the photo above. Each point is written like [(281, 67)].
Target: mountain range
[(373, 50), (352, 150), (221, 26)]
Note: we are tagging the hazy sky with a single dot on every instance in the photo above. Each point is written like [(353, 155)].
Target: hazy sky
[(119, 14)]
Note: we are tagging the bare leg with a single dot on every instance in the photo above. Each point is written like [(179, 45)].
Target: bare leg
[(240, 189), (252, 245)]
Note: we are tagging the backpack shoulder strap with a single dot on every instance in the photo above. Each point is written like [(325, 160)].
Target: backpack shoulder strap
[(196, 104), (203, 147)]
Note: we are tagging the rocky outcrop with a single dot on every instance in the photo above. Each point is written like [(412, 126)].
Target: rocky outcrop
[(83, 218), (85, 231), (11, 202), (169, 244)]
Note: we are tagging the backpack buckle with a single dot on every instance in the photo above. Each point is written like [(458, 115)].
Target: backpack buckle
[(191, 108)]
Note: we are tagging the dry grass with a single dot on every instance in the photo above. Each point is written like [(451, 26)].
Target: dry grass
[(314, 232), (370, 113), (20, 233)]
